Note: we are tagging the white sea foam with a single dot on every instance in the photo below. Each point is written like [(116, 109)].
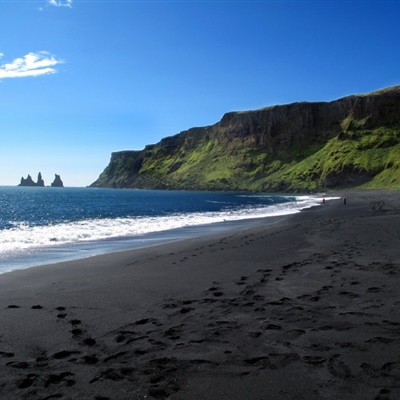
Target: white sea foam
[(22, 237)]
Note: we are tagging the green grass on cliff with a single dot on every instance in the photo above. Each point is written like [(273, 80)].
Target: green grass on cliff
[(366, 158), (356, 157)]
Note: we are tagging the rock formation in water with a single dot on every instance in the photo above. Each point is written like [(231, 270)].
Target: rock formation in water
[(299, 147), (40, 182), (29, 181), (57, 181)]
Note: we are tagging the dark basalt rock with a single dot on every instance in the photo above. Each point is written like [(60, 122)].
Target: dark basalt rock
[(40, 181), (29, 181), (57, 181)]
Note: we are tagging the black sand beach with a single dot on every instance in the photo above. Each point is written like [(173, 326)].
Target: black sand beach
[(308, 308)]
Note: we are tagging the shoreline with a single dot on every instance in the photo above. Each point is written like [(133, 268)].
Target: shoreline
[(306, 308), (57, 252), (67, 252)]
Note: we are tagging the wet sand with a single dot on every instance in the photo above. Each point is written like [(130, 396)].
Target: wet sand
[(308, 308)]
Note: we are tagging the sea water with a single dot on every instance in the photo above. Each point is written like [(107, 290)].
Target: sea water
[(42, 225)]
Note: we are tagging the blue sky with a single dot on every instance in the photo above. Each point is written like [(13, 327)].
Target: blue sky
[(81, 79)]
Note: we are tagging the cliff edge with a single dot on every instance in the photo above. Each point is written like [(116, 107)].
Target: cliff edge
[(303, 147)]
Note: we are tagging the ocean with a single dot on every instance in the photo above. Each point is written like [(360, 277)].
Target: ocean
[(44, 225)]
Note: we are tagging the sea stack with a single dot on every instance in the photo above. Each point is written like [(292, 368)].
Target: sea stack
[(57, 181), (40, 181), (29, 181)]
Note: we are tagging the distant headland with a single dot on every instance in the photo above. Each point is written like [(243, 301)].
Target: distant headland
[(40, 182), (352, 142)]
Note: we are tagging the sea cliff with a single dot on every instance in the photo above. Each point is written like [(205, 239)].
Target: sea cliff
[(350, 142)]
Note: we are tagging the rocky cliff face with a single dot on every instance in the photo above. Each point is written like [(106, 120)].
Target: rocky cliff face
[(304, 146)]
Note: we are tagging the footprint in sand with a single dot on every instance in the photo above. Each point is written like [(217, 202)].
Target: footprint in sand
[(6, 354), (76, 331), (185, 310), (18, 364), (296, 332), (90, 359), (272, 327), (374, 290), (88, 342), (384, 394), (338, 368), (64, 354), (173, 333), (27, 381), (62, 314), (215, 291), (314, 360), (242, 280), (64, 378), (114, 356)]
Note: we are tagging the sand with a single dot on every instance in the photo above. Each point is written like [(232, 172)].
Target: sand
[(307, 308)]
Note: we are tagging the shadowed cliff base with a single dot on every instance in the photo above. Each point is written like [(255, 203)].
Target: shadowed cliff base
[(301, 147)]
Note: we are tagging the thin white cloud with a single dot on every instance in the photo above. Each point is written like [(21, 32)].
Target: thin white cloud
[(32, 64), (60, 3)]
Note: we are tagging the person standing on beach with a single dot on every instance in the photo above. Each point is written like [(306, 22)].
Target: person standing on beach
[(344, 200), (323, 201)]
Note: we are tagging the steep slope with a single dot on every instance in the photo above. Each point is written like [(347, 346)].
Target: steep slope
[(350, 142)]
